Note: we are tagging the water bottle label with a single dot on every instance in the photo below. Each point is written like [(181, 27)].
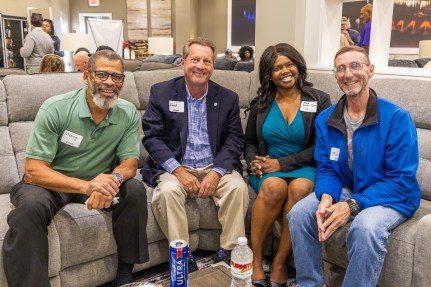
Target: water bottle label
[(241, 270)]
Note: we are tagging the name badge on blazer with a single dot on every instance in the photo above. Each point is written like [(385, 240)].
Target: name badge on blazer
[(176, 107), (310, 107)]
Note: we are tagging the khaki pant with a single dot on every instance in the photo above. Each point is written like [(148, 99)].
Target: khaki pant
[(231, 197)]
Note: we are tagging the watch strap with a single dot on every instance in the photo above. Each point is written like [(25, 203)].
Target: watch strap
[(354, 207)]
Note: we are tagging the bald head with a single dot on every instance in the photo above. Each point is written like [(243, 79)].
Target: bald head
[(81, 61)]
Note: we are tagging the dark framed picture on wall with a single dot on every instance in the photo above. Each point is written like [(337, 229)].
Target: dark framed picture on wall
[(241, 22), (13, 31)]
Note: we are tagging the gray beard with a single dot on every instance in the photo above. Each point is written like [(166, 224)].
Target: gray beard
[(101, 102)]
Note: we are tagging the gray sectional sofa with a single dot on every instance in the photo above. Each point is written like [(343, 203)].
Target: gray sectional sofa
[(81, 245)]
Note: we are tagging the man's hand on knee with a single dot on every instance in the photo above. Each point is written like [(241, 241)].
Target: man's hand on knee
[(98, 200), (209, 184), (188, 180)]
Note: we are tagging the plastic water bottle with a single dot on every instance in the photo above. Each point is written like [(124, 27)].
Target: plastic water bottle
[(241, 264)]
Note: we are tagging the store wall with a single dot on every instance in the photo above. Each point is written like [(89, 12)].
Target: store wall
[(118, 8), (59, 10), (212, 19)]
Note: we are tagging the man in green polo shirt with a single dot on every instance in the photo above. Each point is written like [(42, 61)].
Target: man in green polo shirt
[(83, 148)]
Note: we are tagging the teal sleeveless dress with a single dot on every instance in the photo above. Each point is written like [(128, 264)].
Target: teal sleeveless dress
[(282, 140)]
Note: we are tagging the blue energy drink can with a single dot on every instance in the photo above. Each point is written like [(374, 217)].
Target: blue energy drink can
[(179, 253)]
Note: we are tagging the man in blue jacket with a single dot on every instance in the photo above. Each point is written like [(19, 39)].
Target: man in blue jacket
[(367, 156)]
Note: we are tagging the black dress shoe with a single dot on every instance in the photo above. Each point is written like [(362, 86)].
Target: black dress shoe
[(192, 264), (259, 283)]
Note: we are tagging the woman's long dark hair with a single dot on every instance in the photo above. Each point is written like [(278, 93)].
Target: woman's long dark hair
[(266, 64)]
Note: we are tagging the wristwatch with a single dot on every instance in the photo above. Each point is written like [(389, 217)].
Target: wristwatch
[(119, 176), (354, 207)]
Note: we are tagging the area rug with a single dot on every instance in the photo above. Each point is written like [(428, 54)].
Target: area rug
[(160, 279)]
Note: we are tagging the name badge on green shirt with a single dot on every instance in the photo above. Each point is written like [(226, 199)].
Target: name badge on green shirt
[(71, 139)]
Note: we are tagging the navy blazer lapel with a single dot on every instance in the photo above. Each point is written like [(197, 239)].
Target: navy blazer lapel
[(213, 107), (182, 118)]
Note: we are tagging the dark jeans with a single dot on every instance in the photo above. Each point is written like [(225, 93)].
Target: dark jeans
[(25, 246)]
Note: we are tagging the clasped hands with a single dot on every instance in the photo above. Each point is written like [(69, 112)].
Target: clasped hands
[(330, 216), (203, 189), (101, 191), (263, 165)]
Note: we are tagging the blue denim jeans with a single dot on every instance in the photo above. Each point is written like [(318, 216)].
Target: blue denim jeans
[(366, 242)]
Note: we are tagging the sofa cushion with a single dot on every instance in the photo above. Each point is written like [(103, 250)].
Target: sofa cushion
[(85, 235), (167, 59), (26, 93), (409, 94), (132, 65), (53, 241), (145, 79), (421, 62), (9, 175), (239, 82), (398, 266), (326, 82), (223, 63), (19, 133), (3, 107), (424, 170), (403, 63), (151, 66), (244, 66)]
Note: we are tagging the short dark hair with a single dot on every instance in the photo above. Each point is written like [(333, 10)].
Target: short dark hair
[(82, 49), (107, 54), (36, 19), (199, 41)]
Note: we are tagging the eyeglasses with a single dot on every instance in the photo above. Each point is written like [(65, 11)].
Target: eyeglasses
[(353, 66), (103, 76)]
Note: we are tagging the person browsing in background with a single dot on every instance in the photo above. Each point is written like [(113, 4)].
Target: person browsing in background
[(194, 137), (246, 54), (228, 54), (51, 63), (80, 59), (367, 157), (84, 148), (279, 147), (48, 27), (37, 44), (352, 36), (366, 15)]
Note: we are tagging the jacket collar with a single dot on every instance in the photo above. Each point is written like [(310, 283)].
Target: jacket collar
[(371, 114)]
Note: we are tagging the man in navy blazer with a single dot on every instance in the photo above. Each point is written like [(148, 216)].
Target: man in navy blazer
[(194, 137)]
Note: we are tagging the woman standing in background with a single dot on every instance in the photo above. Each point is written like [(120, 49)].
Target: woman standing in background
[(48, 27)]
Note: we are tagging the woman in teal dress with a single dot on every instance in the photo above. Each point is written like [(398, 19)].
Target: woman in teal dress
[(279, 150)]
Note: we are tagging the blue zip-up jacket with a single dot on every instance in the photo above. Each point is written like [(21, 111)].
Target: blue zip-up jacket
[(385, 156)]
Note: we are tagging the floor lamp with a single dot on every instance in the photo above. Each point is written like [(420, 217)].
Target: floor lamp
[(161, 45)]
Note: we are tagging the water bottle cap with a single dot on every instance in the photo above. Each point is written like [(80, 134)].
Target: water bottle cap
[(242, 240)]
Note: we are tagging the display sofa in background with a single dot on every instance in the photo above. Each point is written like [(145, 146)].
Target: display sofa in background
[(82, 249)]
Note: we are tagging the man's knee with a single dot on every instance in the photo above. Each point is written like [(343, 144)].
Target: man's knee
[(303, 210), (135, 190)]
